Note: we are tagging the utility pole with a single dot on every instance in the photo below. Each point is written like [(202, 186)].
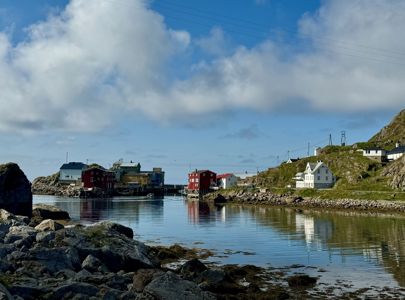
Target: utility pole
[(330, 140), (343, 138), (308, 148), (288, 154), (67, 157)]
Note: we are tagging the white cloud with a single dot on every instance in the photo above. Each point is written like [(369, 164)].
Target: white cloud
[(99, 60), (215, 44)]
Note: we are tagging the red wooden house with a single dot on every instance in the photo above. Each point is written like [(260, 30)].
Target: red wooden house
[(97, 178), (201, 181)]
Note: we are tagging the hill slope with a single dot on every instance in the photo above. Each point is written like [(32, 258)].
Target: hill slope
[(392, 133)]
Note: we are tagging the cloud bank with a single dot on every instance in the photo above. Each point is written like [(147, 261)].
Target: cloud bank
[(96, 62)]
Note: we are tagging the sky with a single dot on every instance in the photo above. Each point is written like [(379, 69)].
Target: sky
[(231, 86)]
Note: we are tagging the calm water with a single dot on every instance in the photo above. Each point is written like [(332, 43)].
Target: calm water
[(361, 249)]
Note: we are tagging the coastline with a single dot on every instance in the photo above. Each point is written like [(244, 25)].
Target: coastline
[(271, 199)]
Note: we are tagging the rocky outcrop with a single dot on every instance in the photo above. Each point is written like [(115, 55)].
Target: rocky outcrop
[(396, 172), (392, 133), (42, 212), (50, 185), (15, 190)]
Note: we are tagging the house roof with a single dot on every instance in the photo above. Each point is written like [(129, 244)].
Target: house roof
[(73, 166), (375, 149), (315, 166), (202, 171), (397, 150), (226, 175)]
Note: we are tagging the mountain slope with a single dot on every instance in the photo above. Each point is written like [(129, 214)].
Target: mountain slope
[(392, 133), (396, 172)]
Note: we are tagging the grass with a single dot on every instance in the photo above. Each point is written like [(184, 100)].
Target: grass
[(357, 177)]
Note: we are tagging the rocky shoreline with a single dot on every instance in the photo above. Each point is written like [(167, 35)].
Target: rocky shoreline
[(271, 199), (49, 257), (43, 258)]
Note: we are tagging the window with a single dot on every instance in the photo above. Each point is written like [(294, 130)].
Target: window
[(327, 171), (319, 177), (197, 180), (327, 178), (319, 171)]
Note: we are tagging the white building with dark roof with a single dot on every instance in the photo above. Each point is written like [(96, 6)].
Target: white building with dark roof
[(396, 153), (71, 172), (377, 154), (316, 175)]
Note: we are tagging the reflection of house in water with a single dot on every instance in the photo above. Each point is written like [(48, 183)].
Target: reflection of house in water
[(201, 212), (316, 231)]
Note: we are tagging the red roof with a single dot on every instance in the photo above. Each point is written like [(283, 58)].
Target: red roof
[(226, 175)]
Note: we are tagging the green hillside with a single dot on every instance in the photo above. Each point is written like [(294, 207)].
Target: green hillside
[(348, 165), (358, 177)]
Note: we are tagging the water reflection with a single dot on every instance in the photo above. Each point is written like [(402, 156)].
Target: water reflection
[(379, 239), (348, 244), (204, 213)]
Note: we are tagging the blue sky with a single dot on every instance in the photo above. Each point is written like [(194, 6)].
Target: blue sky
[(228, 85)]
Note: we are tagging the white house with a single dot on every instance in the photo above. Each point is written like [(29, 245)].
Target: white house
[(227, 180), (396, 153), (375, 154), (316, 175), (71, 172)]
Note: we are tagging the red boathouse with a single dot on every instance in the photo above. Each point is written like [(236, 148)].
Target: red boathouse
[(201, 181), (97, 178)]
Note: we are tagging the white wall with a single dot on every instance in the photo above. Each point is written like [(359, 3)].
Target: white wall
[(70, 175), (394, 156)]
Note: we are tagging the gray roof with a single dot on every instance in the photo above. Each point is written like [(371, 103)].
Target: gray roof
[(73, 166), (400, 149)]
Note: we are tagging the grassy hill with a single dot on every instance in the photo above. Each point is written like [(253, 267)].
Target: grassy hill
[(357, 177), (348, 165)]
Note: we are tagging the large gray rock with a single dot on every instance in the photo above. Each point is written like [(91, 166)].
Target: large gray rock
[(5, 294), (71, 290), (15, 190), (91, 263), (54, 259), (113, 227), (143, 277), (49, 225), (24, 233), (43, 211), (170, 286), (114, 250)]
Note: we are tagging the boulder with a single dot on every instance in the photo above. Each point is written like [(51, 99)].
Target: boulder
[(49, 225), (109, 226), (45, 236), (25, 233), (301, 281), (5, 294), (143, 277), (217, 281), (171, 286), (91, 263), (54, 259), (220, 199), (15, 190), (74, 290), (192, 269), (43, 211), (115, 250)]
